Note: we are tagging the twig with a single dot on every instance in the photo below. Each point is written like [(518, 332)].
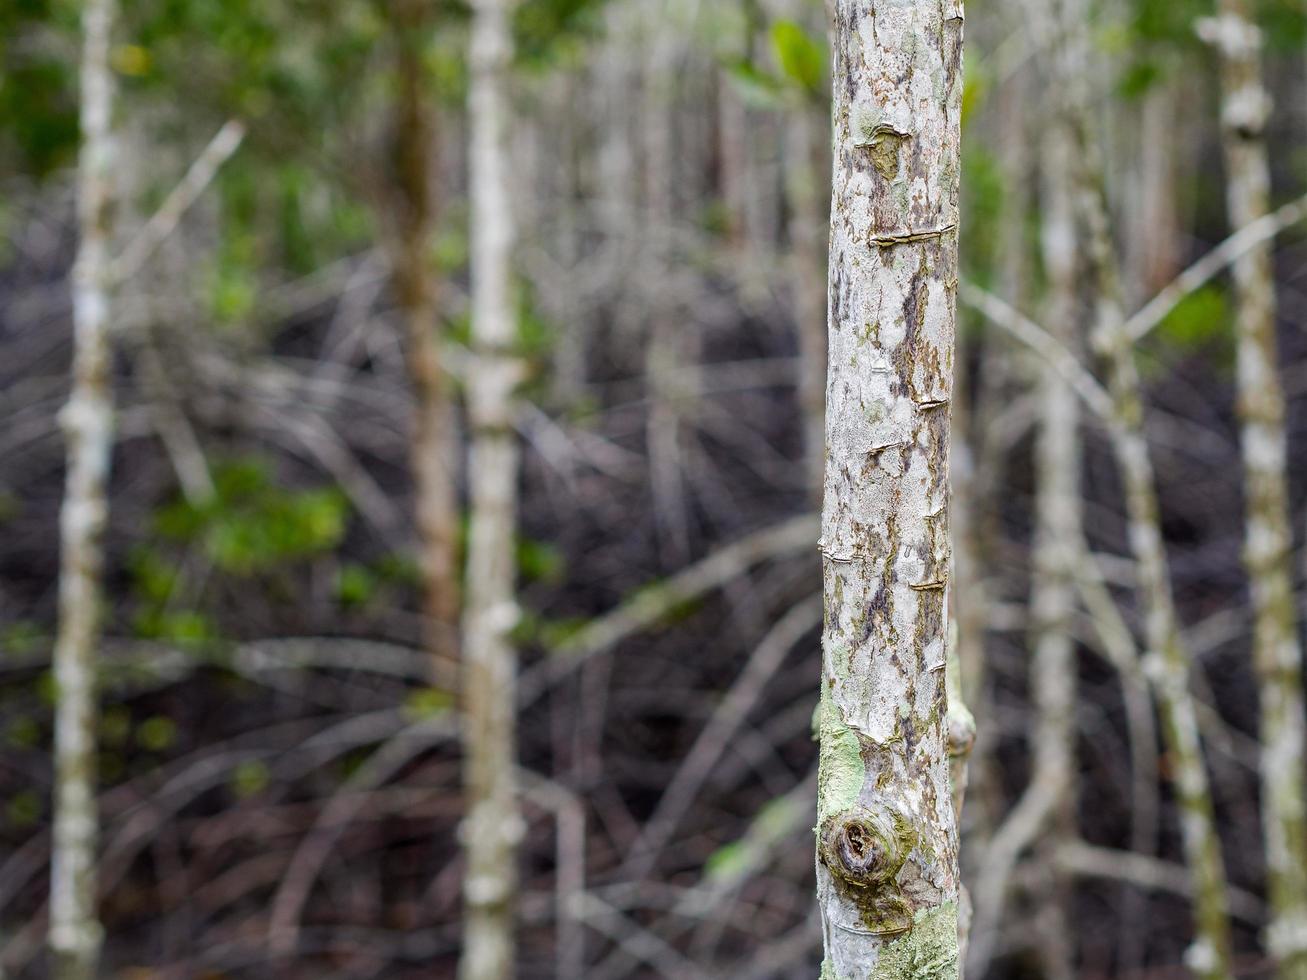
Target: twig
[(717, 734), (1212, 264), (1039, 340), (1151, 874), (164, 221), (651, 604)]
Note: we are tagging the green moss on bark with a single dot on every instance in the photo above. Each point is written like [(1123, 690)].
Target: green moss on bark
[(928, 952)]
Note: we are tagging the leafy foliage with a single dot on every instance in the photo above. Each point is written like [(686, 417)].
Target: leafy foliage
[(251, 525)]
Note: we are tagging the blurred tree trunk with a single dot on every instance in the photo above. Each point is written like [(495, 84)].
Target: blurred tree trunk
[(1168, 662), (1268, 546), (1044, 815), (887, 861), (433, 452), (1057, 527), (492, 826), (807, 136), (1155, 234), (669, 365), (75, 933)]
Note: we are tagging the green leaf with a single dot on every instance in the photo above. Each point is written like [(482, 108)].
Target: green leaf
[(157, 733), (756, 87), (250, 778), (726, 862), (1199, 318), (802, 60), (427, 702), (355, 584)]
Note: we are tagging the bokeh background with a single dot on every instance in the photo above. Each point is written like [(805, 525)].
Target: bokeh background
[(277, 740)]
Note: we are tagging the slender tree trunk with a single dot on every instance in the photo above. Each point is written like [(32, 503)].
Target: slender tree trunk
[(75, 933), (1168, 660), (669, 372), (1045, 805), (1052, 600), (1268, 547), (492, 826), (434, 442), (887, 854), (806, 137)]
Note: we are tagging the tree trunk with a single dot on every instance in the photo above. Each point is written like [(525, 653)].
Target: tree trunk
[(75, 933), (887, 855), (807, 135), (1269, 543), (1168, 662), (1044, 815), (1058, 526), (669, 368), (434, 441), (492, 826)]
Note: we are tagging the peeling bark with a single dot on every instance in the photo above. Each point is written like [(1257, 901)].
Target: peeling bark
[(75, 934), (1268, 545), (492, 827), (887, 867)]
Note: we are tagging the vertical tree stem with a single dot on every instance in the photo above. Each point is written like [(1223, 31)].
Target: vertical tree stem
[(887, 871), (492, 827), (433, 450), (75, 933), (1268, 546)]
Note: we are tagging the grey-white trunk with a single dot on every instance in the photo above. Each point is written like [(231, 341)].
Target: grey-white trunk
[(887, 861), (492, 826), (1168, 662), (1268, 546), (1044, 813), (75, 932)]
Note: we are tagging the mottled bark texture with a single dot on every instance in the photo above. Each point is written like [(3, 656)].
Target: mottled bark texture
[(75, 932), (433, 449), (1268, 547), (887, 861), (492, 827)]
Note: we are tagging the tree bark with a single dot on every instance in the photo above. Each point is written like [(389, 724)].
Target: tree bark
[(492, 826), (1268, 546), (887, 854), (75, 933), (432, 453)]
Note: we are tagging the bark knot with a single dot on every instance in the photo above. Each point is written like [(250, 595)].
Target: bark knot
[(864, 848)]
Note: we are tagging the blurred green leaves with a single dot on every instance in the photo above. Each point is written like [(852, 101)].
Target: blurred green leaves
[(251, 525), (800, 69), (801, 59)]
